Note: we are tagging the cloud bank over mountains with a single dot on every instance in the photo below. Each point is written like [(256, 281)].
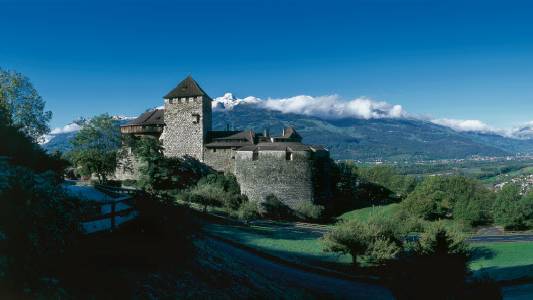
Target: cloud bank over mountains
[(331, 107), (334, 107), (326, 107)]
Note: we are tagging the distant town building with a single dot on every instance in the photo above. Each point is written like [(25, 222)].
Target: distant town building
[(262, 163)]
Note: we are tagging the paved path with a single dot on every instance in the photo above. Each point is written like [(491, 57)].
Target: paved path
[(501, 238), (319, 230), (318, 284)]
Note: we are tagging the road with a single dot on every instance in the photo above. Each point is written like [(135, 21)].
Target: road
[(320, 230), (501, 238), (316, 284)]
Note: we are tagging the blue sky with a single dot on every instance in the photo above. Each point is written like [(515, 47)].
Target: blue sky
[(444, 59)]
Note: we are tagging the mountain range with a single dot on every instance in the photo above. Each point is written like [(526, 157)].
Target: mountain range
[(388, 134)]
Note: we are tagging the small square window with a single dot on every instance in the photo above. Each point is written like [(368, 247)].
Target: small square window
[(195, 118)]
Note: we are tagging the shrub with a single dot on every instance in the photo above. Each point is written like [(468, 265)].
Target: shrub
[(309, 211), (206, 196), (248, 210), (373, 242), (37, 220)]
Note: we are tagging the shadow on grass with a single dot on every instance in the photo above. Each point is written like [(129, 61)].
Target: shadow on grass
[(480, 252)]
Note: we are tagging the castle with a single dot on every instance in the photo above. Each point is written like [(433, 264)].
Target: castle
[(263, 164)]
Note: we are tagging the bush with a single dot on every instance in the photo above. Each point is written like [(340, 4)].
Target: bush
[(309, 211), (248, 211), (129, 182), (206, 197), (374, 242), (37, 220)]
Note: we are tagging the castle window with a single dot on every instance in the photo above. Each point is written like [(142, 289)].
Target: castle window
[(255, 155), (288, 156), (214, 150), (195, 118)]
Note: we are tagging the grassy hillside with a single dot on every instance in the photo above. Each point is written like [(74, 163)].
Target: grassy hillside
[(364, 213)]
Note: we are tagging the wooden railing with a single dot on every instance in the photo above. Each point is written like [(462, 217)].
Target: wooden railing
[(120, 209)]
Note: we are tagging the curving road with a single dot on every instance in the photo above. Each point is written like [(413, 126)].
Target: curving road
[(501, 238)]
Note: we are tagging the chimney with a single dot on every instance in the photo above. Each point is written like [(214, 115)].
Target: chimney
[(283, 132)]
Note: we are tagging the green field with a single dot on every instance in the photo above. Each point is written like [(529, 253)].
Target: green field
[(501, 261), (287, 243), (504, 261)]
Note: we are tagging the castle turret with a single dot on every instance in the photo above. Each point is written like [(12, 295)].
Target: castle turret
[(187, 120)]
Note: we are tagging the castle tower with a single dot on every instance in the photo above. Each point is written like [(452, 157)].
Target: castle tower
[(187, 120)]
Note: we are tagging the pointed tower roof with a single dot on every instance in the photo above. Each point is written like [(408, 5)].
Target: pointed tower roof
[(188, 87)]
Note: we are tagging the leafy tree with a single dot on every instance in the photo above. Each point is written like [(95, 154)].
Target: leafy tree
[(388, 177), (94, 149), (160, 174), (23, 151), (21, 105), (217, 190), (205, 197), (374, 242), (512, 209), (438, 197)]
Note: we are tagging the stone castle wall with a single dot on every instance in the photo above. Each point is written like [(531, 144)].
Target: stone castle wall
[(127, 166), (291, 181), (187, 121), (222, 160)]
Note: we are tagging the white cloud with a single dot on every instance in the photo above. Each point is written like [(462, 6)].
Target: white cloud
[(472, 126), (66, 129), (327, 107)]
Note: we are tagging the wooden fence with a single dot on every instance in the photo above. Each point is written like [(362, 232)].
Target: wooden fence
[(118, 210)]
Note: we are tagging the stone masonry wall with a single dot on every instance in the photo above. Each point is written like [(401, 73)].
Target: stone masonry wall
[(221, 160), (185, 132), (127, 166), (291, 181)]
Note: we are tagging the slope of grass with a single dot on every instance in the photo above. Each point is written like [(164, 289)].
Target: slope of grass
[(504, 261), (285, 242), (363, 214)]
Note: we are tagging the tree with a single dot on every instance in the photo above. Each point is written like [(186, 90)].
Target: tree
[(94, 149), (433, 267), (512, 209), (21, 105), (375, 241), (457, 197), (388, 177), (158, 174)]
